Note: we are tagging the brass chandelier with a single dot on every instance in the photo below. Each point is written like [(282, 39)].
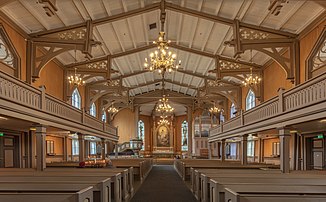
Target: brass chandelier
[(162, 60), (75, 79), (163, 122), (164, 107), (214, 110), (112, 109), (251, 79)]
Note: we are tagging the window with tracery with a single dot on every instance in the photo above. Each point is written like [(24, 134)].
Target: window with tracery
[(141, 133), (8, 54), (184, 136), (316, 61), (232, 111), (250, 100), (104, 116), (76, 99), (92, 110)]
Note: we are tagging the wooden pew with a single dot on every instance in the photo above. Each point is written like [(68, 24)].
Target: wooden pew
[(127, 176), (50, 193), (200, 184), (115, 176), (101, 185), (272, 193), (216, 188), (142, 167)]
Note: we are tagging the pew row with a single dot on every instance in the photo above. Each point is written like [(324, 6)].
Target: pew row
[(15, 192), (101, 185)]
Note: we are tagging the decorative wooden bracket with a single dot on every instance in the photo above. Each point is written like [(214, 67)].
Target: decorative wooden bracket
[(271, 44), (52, 45)]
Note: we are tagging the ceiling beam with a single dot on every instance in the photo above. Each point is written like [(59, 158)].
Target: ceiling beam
[(101, 21), (4, 2), (226, 21)]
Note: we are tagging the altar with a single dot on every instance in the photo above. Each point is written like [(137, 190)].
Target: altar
[(163, 141)]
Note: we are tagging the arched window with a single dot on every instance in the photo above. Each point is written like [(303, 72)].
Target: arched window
[(8, 54), (92, 110), (104, 116), (232, 111), (76, 99), (184, 137), (141, 132), (222, 119), (250, 100)]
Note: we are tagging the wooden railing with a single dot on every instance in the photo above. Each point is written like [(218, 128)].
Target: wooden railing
[(307, 94), (18, 92)]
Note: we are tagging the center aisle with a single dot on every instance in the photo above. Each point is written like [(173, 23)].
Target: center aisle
[(163, 184)]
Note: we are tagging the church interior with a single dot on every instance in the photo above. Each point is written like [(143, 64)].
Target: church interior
[(162, 100)]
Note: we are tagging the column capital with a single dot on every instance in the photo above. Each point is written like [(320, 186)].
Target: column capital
[(284, 131), (40, 128)]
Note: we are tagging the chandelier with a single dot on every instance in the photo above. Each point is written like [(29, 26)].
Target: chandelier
[(75, 79), (112, 109), (214, 110), (162, 60), (164, 107), (251, 79), (163, 122)]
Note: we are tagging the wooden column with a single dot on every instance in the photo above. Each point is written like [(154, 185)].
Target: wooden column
[(103, 152), (40, 148), (65, 148), (189, 120), (81, 143), (223, 150), (284, 135), (260, 150), (244, 152), (209, 150), (136, 123)]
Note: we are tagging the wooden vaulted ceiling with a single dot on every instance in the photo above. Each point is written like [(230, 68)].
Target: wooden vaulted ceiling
[(198, 29)]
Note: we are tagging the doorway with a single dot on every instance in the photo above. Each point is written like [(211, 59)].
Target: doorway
[(9, 152)]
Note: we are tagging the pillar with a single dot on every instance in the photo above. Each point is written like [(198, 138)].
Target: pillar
[(260, 150), (81, 143), (284, 135), (209, 150), (40, 148), (136, 123), (65, 148), (223, 150), (189, 120), (244, 150), (103, 152)]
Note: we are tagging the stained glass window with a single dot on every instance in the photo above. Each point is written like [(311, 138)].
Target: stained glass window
[(141, 133), (184, 133)]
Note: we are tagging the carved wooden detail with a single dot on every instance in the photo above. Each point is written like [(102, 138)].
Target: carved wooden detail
[(317, 57)]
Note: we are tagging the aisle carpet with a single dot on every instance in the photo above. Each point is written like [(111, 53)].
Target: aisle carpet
[(163, 184)]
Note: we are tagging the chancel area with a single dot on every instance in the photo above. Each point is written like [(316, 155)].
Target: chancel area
[(162, 100)]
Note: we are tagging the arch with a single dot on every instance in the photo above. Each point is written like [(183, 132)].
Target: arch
[(76, 99), (250, 100)]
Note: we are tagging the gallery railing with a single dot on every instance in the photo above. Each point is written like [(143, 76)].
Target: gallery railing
[(21, 93), (304, 95)]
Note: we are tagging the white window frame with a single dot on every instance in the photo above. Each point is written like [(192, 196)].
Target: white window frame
[(232, 111), (76, 99), (92, 110), (250, 100), (92, 148), (75, 147), (251, 148)]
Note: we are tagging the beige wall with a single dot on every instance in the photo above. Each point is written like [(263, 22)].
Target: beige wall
[(268, 143), (274, 78), (125, 121)]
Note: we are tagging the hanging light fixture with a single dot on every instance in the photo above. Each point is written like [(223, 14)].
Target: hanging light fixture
[(162, 60), (75, 79), (214, 109), (112, 109), (251, 79), (164, 107)]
